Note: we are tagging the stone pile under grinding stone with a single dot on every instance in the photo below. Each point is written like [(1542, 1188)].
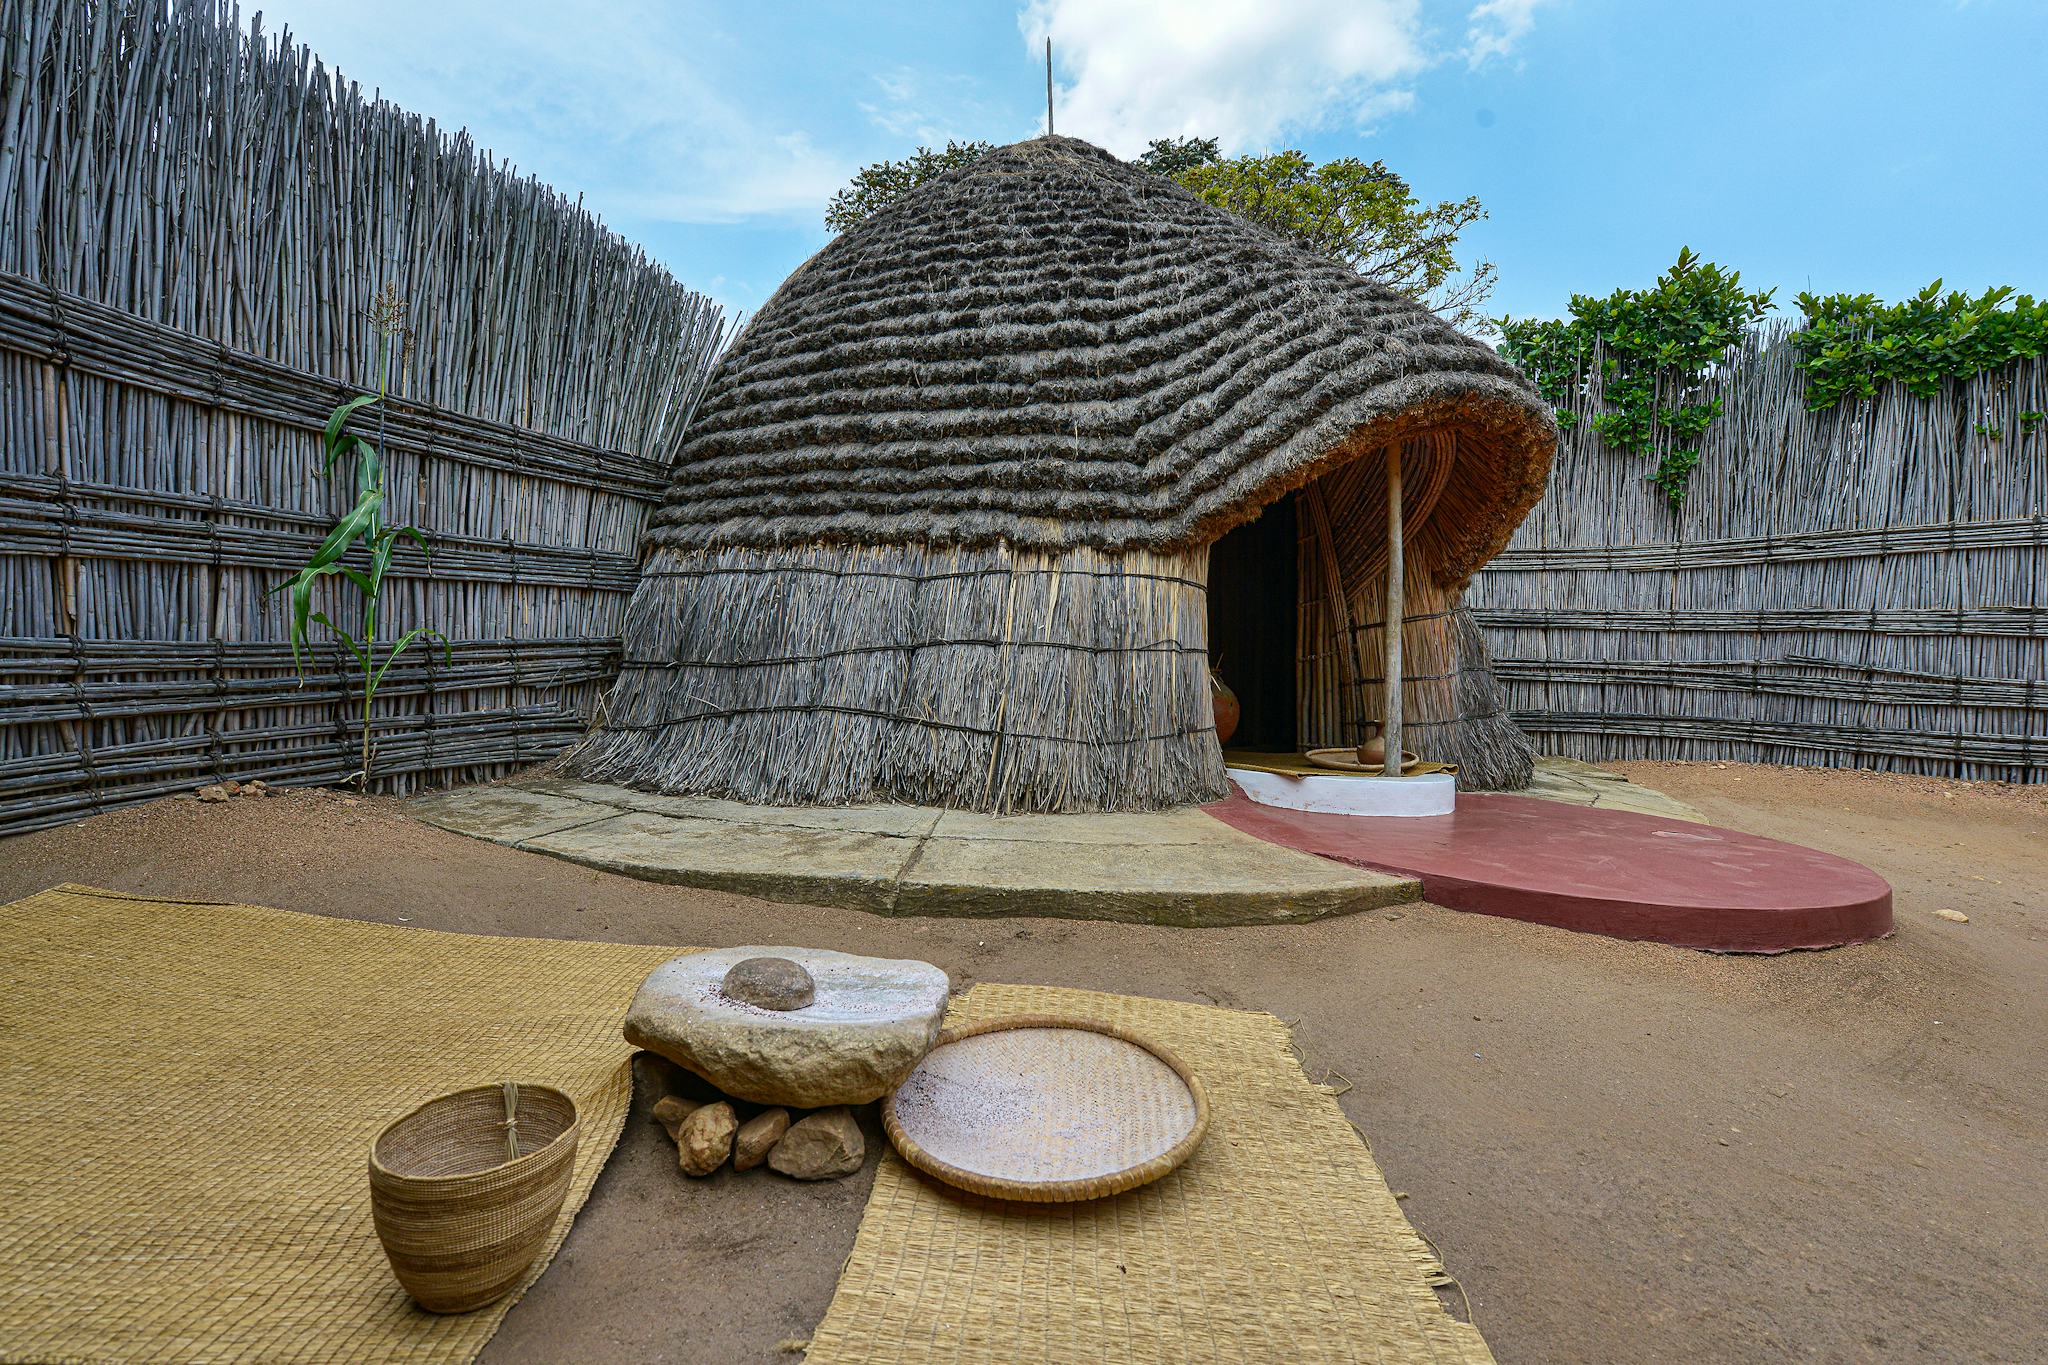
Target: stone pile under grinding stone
[(869, 1023), (825, 1145)]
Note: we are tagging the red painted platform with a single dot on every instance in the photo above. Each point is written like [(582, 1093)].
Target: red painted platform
[(1601, 871)]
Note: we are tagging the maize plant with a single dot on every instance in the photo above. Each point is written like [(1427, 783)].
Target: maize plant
[(362, 527)]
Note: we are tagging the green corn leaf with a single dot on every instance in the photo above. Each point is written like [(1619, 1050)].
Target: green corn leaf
[(381, 549), (369, 466), (301, 587), (354, 647), (413, 533), (346, 531), (339, 419), (404, 641), (348, 442)]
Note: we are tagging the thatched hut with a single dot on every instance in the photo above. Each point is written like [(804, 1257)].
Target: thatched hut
[(970, 499)]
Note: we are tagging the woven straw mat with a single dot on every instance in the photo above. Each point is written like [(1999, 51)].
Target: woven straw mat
[(189, 1093), (1278, 1240)]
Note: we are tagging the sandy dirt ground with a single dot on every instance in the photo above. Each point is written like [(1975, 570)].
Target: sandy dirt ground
[(1625, 1152)]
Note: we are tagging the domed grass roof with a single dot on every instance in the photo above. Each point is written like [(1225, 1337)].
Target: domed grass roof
[(1053, 348)]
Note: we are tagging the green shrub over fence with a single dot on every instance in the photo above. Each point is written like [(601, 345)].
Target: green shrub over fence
[(1656, 349), (1851, 344)]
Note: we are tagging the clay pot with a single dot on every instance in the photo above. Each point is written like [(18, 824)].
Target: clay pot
[(1373, 753), (1224, 702), (1374, 750)]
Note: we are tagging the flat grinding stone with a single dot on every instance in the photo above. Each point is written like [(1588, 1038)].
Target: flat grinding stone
[(872, 1020)]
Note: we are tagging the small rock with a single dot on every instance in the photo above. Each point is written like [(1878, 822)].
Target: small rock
[(254, 788), (771, 983), (756, 1136), (231, 787), (705, 1139), (1955, 915), (670, 1112), (213, 792), (824, 1146)]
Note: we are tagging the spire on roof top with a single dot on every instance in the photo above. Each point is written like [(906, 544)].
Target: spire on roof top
[(1048, 86)]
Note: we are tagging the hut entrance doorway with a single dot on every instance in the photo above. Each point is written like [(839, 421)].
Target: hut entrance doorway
[(1254, 599), (1300, 596)]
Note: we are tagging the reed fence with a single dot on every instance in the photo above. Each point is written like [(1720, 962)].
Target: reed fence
[(195, 219), (1864, 587)]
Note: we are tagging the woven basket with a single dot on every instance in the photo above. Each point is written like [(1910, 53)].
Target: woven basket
[(464, 1190), (1162, 1130)]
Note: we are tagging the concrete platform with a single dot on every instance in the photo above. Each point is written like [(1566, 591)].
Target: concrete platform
[(1175, 867), (1602, 871)]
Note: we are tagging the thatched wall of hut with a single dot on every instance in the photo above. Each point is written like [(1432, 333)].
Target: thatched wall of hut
[(986, 677), (940, 532)]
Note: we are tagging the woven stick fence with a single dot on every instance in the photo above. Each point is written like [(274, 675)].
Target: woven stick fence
[(1864, 587), (194, 221)]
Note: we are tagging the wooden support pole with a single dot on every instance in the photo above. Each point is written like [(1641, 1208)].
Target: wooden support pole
[(1397, 597)]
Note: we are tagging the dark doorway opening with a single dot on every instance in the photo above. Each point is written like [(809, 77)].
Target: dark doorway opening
[(1253, 589)]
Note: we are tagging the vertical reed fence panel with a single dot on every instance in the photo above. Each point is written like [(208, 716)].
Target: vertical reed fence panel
[(1863, 587), (194, 221)]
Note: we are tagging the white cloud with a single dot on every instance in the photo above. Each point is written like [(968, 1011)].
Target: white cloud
[(618, 99), (1240, 71), (1245, 71), (1495, 26), (930, 108)]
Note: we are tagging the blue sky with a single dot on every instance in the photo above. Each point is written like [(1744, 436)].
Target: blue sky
[(1824, 144)]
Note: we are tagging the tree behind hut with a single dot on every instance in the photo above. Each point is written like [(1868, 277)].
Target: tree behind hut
[(883, 183), (1362, 215)]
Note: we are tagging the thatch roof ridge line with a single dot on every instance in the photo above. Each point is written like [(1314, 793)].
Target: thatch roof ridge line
[(1173, 321), (880, 293), (1209, 424), (1083, 517), (1052, 347)]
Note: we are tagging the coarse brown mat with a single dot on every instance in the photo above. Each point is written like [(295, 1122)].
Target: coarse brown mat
[(190, 1091), (1277, 1240)]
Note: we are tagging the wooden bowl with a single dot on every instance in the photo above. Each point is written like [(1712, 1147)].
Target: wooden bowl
[(1346, 761)]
